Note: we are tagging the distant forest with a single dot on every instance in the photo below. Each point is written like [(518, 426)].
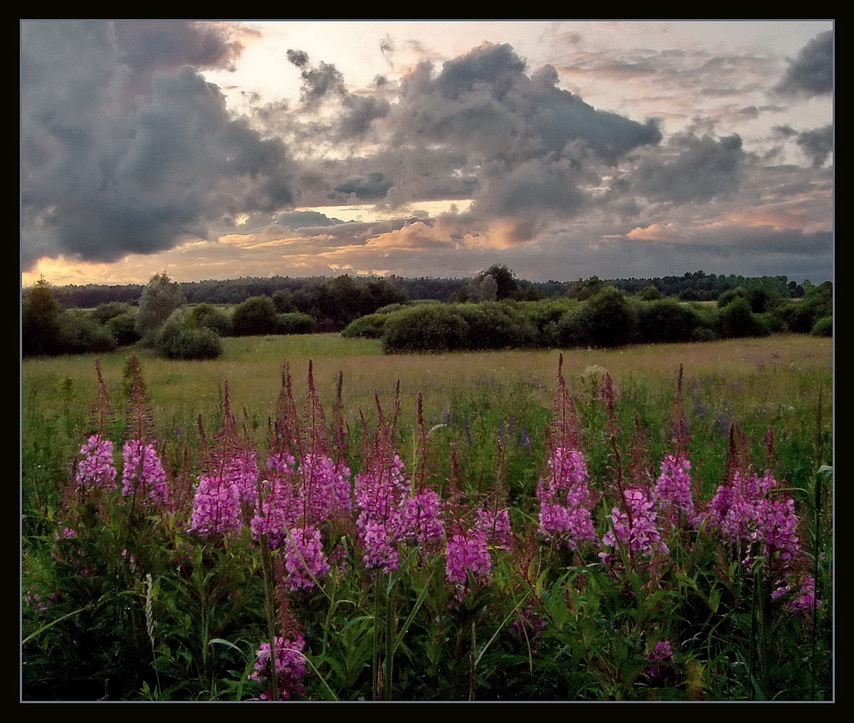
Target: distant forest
[(303, 293)]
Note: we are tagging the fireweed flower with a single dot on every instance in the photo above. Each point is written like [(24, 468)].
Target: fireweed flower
[(420, 518), (673, 488), (495, 524), (290, 666), (305, 561), (467, 552), (656, 674), (324, 489), (276, 510), (380, 491), (803, 600), (96, 468), (143, 471), (565, 499), (636, 526), (216, 506)]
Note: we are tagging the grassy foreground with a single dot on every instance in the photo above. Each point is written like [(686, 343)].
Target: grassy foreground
[(489, 413)]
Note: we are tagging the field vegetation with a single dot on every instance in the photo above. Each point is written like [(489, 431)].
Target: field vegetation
[(640, 522)]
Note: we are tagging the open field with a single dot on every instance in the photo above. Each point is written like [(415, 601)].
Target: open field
[(473, 404)]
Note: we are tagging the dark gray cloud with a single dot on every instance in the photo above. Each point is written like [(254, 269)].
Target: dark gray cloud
[(811, 72), (110, 166), (704, 168), (487, 103), (817, 144)]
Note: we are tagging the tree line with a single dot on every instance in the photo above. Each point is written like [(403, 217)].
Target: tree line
[(188, 320)]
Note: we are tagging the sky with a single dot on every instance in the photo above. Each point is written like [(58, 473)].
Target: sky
[(219, 149)]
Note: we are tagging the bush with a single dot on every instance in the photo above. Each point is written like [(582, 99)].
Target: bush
[(496, 325), (123, 327), (737, 320), (179, 339), (611, 320), (295, 323), (208, 316), (432, 327), (255, 316), (79, 333), (370, 326), (823, 327), (104, 312), (40, 313), (667, 321)]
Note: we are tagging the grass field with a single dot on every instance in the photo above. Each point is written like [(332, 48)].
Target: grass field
[(471, 402)]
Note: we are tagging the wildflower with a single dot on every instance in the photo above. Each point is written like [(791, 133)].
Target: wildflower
[(565, 499), (467, 553), (420, 517), (305, 562), (96, 469), (142, 470), (658, 674), (216, 506), (290, 666), (636, 526), (802, 598), (673, 488)]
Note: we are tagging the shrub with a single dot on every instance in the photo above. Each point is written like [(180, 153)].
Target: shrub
[(611, 319), (179, 339), (79, 333), (255, 316), (823, 327), (295, 323), (667, 320), (737, 320), (208, 316), (159, 299), (431, 327), (40, 313), (123, 327), (496, 325), (104, 312), (370, 326)]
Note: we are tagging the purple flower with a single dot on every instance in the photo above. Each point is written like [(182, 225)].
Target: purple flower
[(636, 526), (565, 499), (420, 518), (662, 652), (467, 553), (96, 469), (216, 506), (673, 488), (143, 471), (305, 561), (290, 666)]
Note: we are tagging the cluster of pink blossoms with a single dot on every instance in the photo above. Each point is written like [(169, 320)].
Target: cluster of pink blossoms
[(290, 666), (566, 500), (673, 489), (305, 561), (748, 514), (635, 526), (467, 553), (96, 468), (143, 471)]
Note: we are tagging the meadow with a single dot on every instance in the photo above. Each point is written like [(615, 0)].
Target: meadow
[(492, 571)]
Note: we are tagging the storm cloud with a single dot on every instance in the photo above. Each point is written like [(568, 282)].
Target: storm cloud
[(111, 166), (811, 72), (129, 148)]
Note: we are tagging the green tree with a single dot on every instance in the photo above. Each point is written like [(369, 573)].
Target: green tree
[(160, 298), (40, 313), (255, 316)]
